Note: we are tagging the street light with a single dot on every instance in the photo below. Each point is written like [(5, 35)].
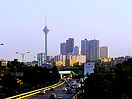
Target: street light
[(35, 58), (22, 54)]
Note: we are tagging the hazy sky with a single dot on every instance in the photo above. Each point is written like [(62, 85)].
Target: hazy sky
[(22, 22)]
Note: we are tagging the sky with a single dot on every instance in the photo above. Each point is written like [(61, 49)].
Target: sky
[(22, 23)]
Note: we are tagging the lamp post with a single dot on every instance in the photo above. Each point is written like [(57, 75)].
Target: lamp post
[(35, 58), (22, 54)]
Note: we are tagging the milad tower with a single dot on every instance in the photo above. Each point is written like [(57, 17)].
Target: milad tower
[(46, 30)]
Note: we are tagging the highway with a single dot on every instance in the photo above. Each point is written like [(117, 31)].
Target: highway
[(58, 91)]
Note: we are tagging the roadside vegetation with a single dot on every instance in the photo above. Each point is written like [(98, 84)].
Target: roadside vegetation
[(28, 78), (115, 83)]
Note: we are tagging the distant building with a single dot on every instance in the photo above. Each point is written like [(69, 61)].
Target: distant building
[(63, 48), (109, 62), (69, 60), (94, 50), (120, 60), (69, 45), (104, 52), (60, 60), (76, 50), (90, 49), (72, 60), (41, 59), (50, 58), (80, 59), (85, 49), (33, 63), (103, 60), (3, 63)]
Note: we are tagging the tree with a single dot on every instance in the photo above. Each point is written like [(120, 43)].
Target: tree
[(110, 84)]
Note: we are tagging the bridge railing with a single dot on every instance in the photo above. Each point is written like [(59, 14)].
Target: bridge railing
[(31, 93)]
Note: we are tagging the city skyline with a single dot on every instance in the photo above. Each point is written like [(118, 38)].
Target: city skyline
[(21, 28)]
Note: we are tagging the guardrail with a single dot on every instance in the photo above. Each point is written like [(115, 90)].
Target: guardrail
[(31, 93)]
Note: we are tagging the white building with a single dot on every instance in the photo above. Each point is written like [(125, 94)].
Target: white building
[(94, 50), (81, 58), (41, 59), (70, 59), (104, 52), (60, 58), (85, 48), (73, 59), (76, 50)]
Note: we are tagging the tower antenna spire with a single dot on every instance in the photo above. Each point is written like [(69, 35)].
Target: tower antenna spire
[(45, 20)]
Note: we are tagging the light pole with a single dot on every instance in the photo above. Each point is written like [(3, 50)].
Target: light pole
[(22, 54), (35, 58)]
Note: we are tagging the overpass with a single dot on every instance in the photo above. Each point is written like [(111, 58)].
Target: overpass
[(66, 72)]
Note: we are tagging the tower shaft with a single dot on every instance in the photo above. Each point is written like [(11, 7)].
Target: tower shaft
[(45, 46)]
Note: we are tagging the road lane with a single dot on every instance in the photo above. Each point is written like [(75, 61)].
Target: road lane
[(58, 91)]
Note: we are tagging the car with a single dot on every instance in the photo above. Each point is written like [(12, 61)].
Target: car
[(41, 92), (64, 89), (53, 96), (60, 98)]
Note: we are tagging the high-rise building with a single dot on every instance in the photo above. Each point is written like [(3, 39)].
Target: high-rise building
[(41, 59), (69, 45), (63, 48), (103, 52), (76, 50), (94, 50), (85, 48)]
